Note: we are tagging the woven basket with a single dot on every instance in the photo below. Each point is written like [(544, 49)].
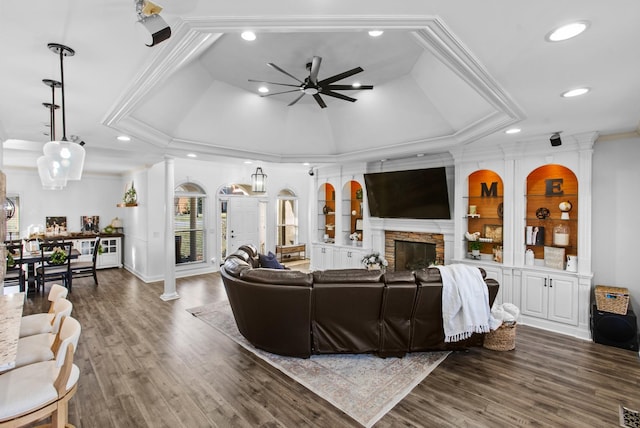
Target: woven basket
[(501, 339), (612, 299)]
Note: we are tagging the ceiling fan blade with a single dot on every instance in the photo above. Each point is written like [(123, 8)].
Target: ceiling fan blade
[(278, 93), (315, 67), (297, 99), (270, 64), (337, 95), (346, 87), (340, 76), (273, 83), (320, 101)]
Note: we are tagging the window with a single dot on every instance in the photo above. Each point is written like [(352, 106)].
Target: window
[(287, 216), (189, 223)]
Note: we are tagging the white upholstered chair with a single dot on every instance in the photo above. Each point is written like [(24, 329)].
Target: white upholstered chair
[(37, 391), (46, 322), (47, 346)]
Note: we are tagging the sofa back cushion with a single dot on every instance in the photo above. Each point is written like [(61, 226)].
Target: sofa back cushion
[(346, 276), (277, 277)]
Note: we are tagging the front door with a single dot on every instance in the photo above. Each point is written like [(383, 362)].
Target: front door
[(242, 223)]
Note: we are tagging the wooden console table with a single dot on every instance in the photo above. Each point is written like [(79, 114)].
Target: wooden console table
[(290, 252)]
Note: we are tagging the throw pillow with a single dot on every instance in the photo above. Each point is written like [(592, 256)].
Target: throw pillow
[(269, 261)]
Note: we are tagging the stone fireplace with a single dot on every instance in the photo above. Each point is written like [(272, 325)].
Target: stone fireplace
[(413, 256)]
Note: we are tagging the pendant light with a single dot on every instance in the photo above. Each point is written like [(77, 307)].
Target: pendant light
[(48, 168), (68, 155), (259, 181)]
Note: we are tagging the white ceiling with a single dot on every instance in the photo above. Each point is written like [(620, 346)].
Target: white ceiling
[(446, 75)]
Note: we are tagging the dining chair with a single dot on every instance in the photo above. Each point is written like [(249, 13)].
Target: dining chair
[(51, 271), (15, 274), (80, 269), (38, 391), (48, 346), (45, 322)]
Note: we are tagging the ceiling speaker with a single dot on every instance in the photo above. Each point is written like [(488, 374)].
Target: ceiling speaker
[(555, 140)]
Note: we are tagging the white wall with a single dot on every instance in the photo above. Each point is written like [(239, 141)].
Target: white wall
[(616, 207), (93, 195), (144, 252)]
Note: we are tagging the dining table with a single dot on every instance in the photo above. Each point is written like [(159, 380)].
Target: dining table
[(31, 258), (10, 317)]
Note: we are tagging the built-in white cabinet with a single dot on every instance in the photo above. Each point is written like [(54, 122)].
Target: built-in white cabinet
[(531, 205), (329, 256), (111, 255), (550, 296)]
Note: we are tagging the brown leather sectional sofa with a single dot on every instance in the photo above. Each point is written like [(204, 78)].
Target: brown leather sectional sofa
[(288, 312)]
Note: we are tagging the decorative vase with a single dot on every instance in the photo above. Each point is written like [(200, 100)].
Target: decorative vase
[(561, 235)]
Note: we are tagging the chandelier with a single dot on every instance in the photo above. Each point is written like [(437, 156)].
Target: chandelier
[(62, 160)]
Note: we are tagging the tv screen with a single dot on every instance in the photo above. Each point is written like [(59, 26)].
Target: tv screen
[(418, 193)]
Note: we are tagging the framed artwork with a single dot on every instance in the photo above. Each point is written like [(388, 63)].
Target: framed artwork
[(90, 223), (56, 226), (359, 224), (493, 231)]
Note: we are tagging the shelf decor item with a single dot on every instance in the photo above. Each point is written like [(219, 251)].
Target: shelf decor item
[(565, 207), (554, 257), (561, 235)]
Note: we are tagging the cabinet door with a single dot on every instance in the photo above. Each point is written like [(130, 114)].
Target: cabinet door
[(322, 257), (563, 299), (110, 256), (350, 258), (534, 294)]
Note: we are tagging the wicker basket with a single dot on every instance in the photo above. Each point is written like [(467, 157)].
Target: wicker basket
[(612, 299), (501, 339)]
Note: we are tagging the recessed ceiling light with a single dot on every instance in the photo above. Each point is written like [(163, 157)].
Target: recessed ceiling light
[(420, 155), (248, 36), (124, 138), (567, 31), (512, 131), (376, 33), (356, 85), (263, 89), (575, 92), (248, 162), (192, 155), (306, 164)]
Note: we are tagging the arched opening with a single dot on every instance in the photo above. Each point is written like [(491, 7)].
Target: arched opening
[(287, 218)]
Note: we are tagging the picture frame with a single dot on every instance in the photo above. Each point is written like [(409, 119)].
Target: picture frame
[(90, 223), (493, 232), (55, 226), (359, 224), (554, 257)]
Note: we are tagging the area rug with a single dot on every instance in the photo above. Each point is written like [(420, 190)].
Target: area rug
[(365, 387)]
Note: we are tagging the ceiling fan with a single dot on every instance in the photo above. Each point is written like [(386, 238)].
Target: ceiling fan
[(312, 86)]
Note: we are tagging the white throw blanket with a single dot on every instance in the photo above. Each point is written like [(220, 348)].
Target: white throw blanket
[(465, 303)]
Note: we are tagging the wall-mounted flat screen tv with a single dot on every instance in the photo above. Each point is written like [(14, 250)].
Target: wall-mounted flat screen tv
[(418, 193)]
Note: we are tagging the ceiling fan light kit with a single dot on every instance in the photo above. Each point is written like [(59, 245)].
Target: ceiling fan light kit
[(314, 87)]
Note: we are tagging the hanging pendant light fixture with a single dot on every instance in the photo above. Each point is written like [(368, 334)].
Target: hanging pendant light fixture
[(259, 181), (49, 168), (68, 155)]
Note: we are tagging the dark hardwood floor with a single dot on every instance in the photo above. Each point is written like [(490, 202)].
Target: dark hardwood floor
[(149, 363)]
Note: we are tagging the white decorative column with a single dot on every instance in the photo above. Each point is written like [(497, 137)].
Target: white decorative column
[(170, 292)]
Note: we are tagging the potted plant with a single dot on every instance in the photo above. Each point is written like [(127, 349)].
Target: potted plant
[(58, 257), (130, 196), (375, 261), (474, 246)]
